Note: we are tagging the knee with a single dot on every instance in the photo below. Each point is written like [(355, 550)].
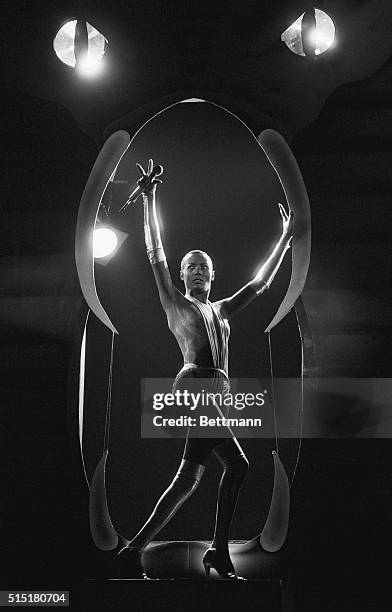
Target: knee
[(189, 476), (185, 483)]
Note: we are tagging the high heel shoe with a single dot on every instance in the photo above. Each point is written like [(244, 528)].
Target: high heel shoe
[(221, 564), (129, 563)]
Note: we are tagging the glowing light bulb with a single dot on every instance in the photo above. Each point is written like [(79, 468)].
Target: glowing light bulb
[(67, 47), (320, 37), (104, 242), (89, 66)]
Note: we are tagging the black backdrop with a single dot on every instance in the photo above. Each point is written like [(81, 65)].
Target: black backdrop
[(341, 520)]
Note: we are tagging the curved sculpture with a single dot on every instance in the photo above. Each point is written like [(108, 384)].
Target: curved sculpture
[(276, 526), (284, 163), (102, 531), (101, 527), (106, 163)]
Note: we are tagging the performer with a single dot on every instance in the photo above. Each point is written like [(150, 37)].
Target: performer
[(202, 330)]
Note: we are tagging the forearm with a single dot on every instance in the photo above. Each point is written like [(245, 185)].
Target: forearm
[(260, 282), (152, 233), (269, 268)]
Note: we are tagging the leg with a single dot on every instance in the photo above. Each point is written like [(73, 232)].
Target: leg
[(235, 466), (184, 484)]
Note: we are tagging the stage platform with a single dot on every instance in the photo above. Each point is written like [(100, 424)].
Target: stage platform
[(182, 560), (178, 581)]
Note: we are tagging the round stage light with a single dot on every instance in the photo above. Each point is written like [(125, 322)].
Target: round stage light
[(82, 52), (323, 34), (104, 242), (88, 67), (320, 37)]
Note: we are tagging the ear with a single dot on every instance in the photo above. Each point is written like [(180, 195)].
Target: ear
[(181, 274), (213, 275)]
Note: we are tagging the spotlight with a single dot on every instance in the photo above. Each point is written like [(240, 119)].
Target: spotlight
[(89, 67), (310, 41), (104, 242), (79, 45)]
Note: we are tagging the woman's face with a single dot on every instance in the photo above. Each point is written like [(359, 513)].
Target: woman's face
[(197, 272)]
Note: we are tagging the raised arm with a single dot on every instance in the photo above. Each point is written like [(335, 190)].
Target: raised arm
[(266, 272), (152, 236)]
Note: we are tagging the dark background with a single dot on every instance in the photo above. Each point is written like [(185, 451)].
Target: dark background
[(341, 521)]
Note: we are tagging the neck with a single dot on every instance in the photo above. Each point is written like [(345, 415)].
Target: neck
[(202, 296)]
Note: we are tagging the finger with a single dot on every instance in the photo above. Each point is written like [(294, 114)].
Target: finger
[(150, 166), (282, 211), (141, 169), (155, 180)]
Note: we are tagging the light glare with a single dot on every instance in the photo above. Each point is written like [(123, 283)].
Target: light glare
[(64, 46), (104, 242), (320, 37), (88, 66)]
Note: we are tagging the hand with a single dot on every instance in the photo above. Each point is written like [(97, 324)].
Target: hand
[(287, 221), (148, 184)]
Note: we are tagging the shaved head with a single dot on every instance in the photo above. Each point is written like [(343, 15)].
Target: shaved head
[(198, 252)]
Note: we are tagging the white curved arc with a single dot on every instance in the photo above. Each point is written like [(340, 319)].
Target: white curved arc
[(105, 164), (285, 165), (103, 533), (82, 368), (274, 533), (281, 158), (276, 526)]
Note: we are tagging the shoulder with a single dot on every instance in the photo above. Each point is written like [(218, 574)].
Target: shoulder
[(233, 304), (220, 308), (178, 300)]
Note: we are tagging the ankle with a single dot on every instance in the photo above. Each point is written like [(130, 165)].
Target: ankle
[(221, 550)]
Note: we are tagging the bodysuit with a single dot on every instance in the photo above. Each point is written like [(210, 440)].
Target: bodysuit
[(202, 332)]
